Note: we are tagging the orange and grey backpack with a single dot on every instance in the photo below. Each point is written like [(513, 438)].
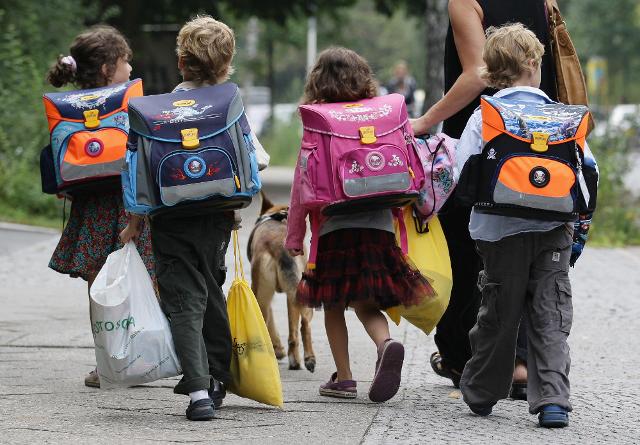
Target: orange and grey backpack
[(533, 163), (89, 130)]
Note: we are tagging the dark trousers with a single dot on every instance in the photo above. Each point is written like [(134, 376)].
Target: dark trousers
[(452, 332), (190, 269), (527, 270)]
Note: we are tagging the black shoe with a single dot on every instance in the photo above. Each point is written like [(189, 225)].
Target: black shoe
[(518, 391), (217, 395), (200, 410), (481, 410)]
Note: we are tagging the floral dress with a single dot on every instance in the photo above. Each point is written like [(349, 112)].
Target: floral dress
[(92, 233)]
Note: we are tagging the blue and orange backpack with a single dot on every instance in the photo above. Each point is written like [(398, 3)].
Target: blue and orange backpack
[(89, 130)]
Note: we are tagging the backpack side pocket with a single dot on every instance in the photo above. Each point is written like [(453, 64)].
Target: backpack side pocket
[(467, 190), (48, 172)]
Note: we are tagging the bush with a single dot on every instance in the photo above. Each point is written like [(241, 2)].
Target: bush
[(617, 217), (34, 33), (282, 141)]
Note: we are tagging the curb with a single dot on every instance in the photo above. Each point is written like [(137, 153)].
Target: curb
[(274, 179), (25, 228)]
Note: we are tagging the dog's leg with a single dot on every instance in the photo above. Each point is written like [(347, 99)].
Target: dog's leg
[(305, 329), (263, 286), (293, 311)]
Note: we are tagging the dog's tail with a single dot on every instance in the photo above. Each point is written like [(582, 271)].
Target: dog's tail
[(291, 273)]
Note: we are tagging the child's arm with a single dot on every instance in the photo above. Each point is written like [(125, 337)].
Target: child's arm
[(583, 223), (297, 218), (133, 229), (470, 142)]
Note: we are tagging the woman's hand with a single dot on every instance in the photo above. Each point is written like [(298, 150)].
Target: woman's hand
[(295, 252), (420, 125)]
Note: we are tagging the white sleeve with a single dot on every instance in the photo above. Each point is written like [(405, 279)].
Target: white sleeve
[(261, 155), (470, 142)]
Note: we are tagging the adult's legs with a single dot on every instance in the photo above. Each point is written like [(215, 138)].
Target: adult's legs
[(452, 332)]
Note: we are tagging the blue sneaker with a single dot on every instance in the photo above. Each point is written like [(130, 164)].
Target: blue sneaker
[(553, 416)]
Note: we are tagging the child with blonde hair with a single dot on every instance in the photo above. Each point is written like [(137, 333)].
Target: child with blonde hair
[(526, 259), (190, 243)]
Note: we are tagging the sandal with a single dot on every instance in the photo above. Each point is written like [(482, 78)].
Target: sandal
[(439, 366), (345, 389), (386, 380)]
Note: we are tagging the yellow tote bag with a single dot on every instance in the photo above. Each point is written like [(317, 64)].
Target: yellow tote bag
[(430, 253), (254, 368)]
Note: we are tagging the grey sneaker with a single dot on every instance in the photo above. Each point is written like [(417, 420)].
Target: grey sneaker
[(93, 379)]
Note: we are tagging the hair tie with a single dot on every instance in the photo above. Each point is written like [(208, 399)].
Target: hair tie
[(69, 60)]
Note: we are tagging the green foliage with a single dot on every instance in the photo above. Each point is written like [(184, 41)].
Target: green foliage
[(34, 33), (282, 141), (398, 36), (610, 30), (617, 217)]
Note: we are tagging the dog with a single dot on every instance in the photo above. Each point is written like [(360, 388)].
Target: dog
[(274, 270)]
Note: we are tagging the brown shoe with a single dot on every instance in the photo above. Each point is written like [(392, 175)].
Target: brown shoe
[(92, 380)]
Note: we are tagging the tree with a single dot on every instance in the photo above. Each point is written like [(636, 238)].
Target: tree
[(610, 30), (436, 18), (33, 35)]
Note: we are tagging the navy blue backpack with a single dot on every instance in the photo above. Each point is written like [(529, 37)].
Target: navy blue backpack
[(189, 148)]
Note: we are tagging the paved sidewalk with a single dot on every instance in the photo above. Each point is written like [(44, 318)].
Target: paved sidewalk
[(46, 350)]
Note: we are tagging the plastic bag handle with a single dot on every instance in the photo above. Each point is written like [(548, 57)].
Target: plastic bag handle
[(237, 256)]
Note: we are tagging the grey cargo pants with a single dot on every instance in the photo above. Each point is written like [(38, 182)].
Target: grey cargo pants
[(527, 270)]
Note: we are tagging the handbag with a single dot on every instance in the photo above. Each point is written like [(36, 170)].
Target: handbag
[(570, 82)]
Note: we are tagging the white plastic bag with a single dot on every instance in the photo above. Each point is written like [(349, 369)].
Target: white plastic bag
[(133, 342)]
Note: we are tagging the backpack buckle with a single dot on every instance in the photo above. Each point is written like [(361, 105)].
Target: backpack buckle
[(190, 139), (91, 118), (540, 142), (368, 135)]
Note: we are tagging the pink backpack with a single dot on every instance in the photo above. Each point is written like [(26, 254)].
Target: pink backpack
[(439, 159), (359, 156)]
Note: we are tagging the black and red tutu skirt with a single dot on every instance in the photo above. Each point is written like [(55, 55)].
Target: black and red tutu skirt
[(361, 265)]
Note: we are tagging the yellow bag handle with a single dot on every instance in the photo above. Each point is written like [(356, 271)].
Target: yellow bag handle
[(237, 256)]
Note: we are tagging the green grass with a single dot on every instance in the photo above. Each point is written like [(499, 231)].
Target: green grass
[(282, 142), (22, 216)]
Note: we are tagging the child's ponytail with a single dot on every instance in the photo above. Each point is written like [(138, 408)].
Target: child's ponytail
[(62, 72), (93, 60)]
